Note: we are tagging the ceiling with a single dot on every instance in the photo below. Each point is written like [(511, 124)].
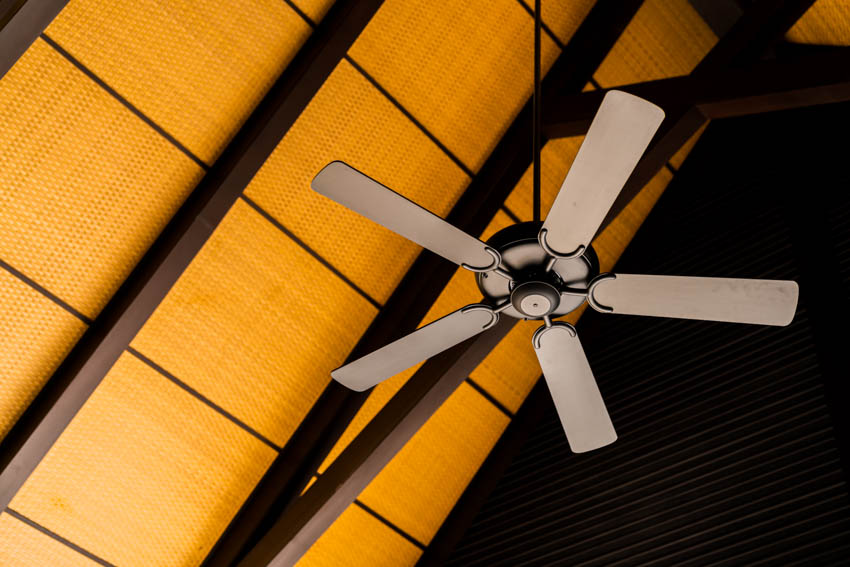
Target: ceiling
[(114, 121), (732, 444)]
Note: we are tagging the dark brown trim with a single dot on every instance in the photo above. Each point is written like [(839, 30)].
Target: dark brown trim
[(305, 521), (419, 288), (99, 348), (21, 22)]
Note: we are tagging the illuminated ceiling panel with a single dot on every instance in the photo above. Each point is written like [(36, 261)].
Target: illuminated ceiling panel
[(22, 545), (197, 69), (827, 22), (256, 324), (35, 335), (358, 538), (85, 184), (145, 474), (350, 120), (666, 38), (314, 9), (462, 68)]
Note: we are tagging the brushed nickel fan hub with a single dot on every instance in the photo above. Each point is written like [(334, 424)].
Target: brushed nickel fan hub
[(533, 291)]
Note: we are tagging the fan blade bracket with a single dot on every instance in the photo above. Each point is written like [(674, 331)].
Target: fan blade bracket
[(591, 300), (538, 334), (557, 255), (486, 308), (492, 266)]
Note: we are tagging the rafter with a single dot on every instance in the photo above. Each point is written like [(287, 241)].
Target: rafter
[(89, 361), (21, 22)]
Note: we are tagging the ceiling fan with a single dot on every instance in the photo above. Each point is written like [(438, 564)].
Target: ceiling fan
[(541, 271)]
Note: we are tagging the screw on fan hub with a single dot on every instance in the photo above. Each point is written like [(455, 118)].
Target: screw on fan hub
[(535, 299)]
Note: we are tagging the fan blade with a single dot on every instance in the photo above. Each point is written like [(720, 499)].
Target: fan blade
[(618, 136), (574, 390), (364, 195), (422, 343), (762, 302)]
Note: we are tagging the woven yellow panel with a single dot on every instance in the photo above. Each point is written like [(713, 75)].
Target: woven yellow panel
[(665, 38), (145, 474), (256, 324), (679, 157), (315, 9), (564, 17), (350, 120), (556, 159), (85, 185), (24, 546), (357, 538), (463, 68), (417, 489), (195, 67), (35, 335), (827, 22)]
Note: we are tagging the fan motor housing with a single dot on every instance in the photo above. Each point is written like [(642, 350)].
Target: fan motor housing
[(535, 293)]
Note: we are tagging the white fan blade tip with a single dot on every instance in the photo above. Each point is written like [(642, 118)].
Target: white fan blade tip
[(367, 197), (732, 300), (574, 391), (423, 343), (620, 132)]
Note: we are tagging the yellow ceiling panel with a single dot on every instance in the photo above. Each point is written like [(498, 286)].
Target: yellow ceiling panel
[(463, 68), (24, 546), (145, 474), (350, 120), (679, 157), (665, 38), (556, 158), (197, 68), (85, 185), (35, 335), (417, 489), (256, 324), (315, 9), (511, 369), (827, 22), (358, 538), (563, 18)]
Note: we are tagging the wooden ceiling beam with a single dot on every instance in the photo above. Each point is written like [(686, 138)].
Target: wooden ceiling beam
[(21, 22), (418, 290), (110, 334)]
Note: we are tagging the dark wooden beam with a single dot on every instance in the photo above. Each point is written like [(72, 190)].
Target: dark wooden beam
[(765, 87), (309, 516), (683, 119), (420, 287), (21, 22), (89, 361)]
